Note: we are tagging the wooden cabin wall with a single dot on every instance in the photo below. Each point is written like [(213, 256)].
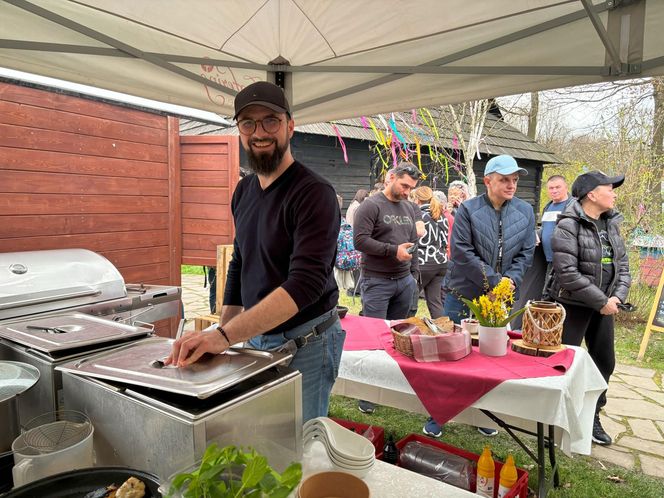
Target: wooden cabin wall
[(324, 155), (209, 174), (81, 173), (528, 189)]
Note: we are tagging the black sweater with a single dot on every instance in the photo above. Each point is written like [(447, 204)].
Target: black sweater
[(286, 236), (380, 226)]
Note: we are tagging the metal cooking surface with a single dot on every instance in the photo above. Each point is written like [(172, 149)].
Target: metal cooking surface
[(68, 331), (16, 377), (141, 363)]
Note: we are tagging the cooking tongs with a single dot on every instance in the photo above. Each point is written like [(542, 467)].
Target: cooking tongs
[(432, 326), (49, 330)]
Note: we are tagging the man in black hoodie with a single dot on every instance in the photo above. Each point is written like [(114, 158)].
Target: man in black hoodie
[(591, 273)]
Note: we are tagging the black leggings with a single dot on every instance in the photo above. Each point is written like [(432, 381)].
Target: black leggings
[(597, 329)]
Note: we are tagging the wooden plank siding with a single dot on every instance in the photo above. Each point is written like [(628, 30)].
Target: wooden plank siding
[(324, 155), (81, 173), (209, 174)]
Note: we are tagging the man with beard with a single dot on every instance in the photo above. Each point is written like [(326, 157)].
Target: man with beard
[(280, 289), (384, 231)]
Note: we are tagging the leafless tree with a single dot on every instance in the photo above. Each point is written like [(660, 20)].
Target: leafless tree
[(467, 122), (533, 115)]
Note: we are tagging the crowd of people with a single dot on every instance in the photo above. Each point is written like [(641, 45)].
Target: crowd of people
[(469, 244), (395, 242)]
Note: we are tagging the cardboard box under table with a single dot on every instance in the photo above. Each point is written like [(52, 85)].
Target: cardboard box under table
[(532, 405)]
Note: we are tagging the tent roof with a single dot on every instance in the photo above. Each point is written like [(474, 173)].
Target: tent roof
[(334, 58), (498, 137)]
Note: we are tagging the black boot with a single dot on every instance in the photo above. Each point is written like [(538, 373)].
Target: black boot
[(599, 434)]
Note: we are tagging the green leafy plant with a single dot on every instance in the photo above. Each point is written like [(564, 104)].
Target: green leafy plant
[(233, 472)]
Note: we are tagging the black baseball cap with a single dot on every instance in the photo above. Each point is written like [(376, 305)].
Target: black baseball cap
[(593, 179), (262, 93)]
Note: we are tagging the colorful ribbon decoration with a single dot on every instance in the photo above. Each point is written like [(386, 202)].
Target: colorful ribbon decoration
[(341, 142), (394, 143)]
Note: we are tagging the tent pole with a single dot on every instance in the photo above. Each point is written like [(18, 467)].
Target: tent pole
[(603, 35)]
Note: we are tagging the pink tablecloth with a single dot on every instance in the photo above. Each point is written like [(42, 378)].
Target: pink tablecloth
[(447, 388), (362, 333)]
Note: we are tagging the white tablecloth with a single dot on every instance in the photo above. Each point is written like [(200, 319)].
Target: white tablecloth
[(565, 401)]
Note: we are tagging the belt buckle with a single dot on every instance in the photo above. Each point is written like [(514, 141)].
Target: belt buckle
[(303, 340)]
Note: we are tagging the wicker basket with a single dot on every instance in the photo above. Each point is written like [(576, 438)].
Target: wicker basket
[(402, 342), (543, 324)]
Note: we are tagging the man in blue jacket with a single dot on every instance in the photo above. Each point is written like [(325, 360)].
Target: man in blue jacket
[(493, 237)]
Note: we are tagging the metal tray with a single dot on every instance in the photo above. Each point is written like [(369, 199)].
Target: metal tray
[(139, 364), (69, 331)]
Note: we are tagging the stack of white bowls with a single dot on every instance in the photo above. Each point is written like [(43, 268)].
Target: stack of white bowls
[(348, 451)]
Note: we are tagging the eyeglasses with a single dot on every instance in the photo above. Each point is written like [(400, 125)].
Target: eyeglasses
[(248, 126)]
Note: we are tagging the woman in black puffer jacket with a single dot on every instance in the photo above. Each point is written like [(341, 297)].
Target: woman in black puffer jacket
[(591, 273)]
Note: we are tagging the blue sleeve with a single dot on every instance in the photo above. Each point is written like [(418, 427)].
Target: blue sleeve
[(523, 260), (463, 251)]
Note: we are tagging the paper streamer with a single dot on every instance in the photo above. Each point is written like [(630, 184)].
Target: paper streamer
[(341, 142)]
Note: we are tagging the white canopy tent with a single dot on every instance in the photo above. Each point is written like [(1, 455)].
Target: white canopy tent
[(335, 58)]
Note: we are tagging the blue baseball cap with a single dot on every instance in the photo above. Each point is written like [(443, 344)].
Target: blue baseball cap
[(503, 165)]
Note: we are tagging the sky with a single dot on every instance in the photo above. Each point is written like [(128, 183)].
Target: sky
[(587, 108)]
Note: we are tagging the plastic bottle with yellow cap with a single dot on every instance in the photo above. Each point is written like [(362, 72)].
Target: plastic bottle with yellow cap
[(508, 477), (486, 473)]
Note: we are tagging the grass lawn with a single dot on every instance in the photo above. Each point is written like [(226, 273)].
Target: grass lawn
[(581, 476), (191, 270)]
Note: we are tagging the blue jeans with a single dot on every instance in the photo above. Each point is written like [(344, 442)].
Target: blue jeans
[(318, 361), (387, 298), (455, 309)]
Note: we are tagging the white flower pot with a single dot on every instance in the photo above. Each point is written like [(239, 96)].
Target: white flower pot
[(493, 340)]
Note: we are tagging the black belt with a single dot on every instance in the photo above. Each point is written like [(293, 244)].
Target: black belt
[(317, 330)]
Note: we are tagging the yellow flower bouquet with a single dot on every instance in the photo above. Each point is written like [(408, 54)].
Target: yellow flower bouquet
[(493, 308)]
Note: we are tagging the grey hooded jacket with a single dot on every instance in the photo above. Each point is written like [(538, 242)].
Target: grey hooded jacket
[(577, 255), (475, 248)]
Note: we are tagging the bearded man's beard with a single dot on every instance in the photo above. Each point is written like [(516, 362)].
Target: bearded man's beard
[(266, 163), (396, 194)]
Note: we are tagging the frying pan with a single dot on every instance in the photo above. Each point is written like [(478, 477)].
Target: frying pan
[(77, 483)]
